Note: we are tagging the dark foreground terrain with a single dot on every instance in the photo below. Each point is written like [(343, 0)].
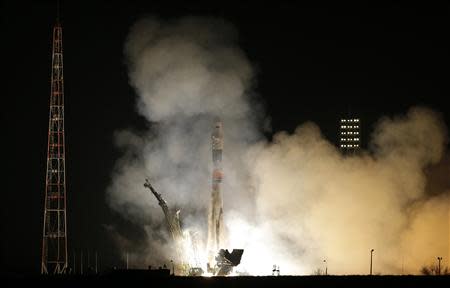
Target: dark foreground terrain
[(141, 279)]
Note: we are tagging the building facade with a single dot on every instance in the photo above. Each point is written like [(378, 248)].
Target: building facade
[(350, 135)]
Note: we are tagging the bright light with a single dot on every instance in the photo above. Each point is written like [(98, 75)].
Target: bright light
[(256, 240)]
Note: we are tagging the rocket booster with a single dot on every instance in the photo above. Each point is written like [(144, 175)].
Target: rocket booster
[(217, 147), (217, 143), (215, 221)]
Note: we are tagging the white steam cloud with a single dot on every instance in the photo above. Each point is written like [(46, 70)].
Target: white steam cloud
[(294, 201)]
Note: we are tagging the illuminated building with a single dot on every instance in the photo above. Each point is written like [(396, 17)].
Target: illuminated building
[(349, 135)]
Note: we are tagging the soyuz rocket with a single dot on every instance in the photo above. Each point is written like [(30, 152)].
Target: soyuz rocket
[(215, 217)]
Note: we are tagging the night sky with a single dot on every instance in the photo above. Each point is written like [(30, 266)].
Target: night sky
[(313, 63)]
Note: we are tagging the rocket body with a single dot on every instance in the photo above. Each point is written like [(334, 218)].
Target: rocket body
[(217, 144), (215, 217)]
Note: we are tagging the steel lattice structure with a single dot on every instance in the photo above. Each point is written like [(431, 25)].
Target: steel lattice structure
[(54, 238)]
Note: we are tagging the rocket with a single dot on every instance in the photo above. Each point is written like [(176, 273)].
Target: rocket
[(217, 144), (215, 218)]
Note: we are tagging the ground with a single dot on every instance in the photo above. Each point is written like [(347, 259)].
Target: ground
[(144, 279)]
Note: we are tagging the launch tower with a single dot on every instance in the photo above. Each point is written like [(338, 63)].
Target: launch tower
[(54, 236)]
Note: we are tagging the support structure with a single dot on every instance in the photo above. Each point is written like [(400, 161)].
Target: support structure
[(173, 224), (54, 235)]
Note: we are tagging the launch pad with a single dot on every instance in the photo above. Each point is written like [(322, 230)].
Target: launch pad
[(225, 261)]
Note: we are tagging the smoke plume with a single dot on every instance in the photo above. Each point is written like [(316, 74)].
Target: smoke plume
[(294, 201)]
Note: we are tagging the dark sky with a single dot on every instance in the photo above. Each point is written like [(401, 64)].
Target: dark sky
[(313, 63)]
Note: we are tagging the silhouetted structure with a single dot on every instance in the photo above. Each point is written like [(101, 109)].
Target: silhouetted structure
[(54, 237)]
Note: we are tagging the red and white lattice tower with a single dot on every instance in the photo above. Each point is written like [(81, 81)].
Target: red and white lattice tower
[(54, 237)]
